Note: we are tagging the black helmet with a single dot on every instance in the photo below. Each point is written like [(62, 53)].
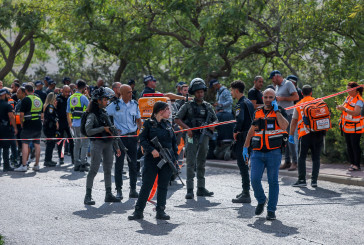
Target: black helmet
[(100, 93), (196, 84)]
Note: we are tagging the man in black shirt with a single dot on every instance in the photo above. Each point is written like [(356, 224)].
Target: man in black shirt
[(39, 90), (51, 86), (14, 88), (7, 128), (31, 113), (255, 95), (64, 129)]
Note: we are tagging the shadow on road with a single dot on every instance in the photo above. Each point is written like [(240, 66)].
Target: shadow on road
[(199, 205), (246, 211), (318, 192), (92, 212), (276, 227), (162, 228)]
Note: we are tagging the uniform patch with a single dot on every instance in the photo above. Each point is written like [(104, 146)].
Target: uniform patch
[(141, 130), (74, 101), (37, 103), (50, 110), (237, 112)]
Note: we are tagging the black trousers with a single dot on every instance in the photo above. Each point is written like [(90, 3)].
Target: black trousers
[(150, 171), (65, 132), (49, 146), (244, 169), (313, 141), (131, 145), (353, 148), (5, 145)]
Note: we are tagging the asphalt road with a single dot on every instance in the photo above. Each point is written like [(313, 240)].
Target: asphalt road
[(47, 208)]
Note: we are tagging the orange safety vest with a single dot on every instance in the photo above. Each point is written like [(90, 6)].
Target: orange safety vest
[(302, 129), (12, 103), (272, 137), (348, 123)]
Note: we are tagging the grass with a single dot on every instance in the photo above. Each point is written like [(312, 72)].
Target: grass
[(1, 240)]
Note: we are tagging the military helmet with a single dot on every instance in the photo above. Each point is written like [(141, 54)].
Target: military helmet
[(100, 93), (196, 84), (109, 91)]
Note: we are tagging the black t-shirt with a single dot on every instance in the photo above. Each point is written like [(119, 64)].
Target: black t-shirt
[(255, 94), (14, 97), (61, 111), (41, 95), (34, 125), (5, 127)]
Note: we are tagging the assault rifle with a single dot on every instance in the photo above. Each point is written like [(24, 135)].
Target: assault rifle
[(206, 131), (114, 132), (166, 157)]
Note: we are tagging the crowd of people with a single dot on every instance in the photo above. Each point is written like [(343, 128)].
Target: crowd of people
[(89, 115)]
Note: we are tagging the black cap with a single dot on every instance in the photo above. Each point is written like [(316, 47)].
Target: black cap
[(131, 81), (273, 73)]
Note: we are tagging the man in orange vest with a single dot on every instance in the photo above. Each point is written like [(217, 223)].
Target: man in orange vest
[(266, 137), (307, 140)]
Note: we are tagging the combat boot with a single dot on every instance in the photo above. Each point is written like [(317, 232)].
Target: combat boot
[(109, 197), (133, 193), (119, 194), (203, 192), (88, 198), (189, 194), (161, 214), (83, 168), (243, 198), (137, 214)]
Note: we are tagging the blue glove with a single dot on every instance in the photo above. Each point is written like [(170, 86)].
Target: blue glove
[(245, 153), (275, 105), (291, 139)]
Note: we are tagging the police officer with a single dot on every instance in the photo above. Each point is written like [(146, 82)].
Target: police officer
[(150, 84), (157, 126), (50, 127), (31, 113), (126, 116), (266, 137), (66, 81), (244, 111), (131, 83), (7, 128), (64, 129), (39, 90), (193, 114), (96, 126), (76, 105)]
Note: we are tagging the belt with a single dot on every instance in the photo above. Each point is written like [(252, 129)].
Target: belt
[(132, 133)]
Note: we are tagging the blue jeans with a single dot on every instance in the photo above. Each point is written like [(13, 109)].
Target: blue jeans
[(259, 161)]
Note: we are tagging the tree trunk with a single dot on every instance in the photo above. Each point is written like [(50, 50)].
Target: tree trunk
[(25, 67), (119, 72)]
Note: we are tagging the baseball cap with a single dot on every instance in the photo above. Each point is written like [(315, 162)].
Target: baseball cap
[(149, 78), (180, 84), (38, 82), (213, 82), (131, 81), (3, 91), (51, 82), (273, 73), (292, 78)]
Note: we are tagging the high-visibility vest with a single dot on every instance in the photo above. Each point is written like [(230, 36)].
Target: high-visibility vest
[(76, 107), (301, 126), (348, 123), (36, 108), (12, 103), (272, 136)]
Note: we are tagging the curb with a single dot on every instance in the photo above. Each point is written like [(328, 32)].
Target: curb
[(346, 180)]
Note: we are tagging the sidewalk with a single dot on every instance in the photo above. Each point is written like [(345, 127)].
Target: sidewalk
[(337, 173)]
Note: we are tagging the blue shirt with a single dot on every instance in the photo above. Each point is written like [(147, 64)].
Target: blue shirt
[(224, 99), (125, 118), (84, 102)]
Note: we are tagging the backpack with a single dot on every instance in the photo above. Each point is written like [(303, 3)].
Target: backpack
[(83, 123), (316, 116)]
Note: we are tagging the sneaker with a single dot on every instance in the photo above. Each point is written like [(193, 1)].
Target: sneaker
[(271, 215), (22, 168), (36, 168), (300, 183), (260, 207), (314, 183)]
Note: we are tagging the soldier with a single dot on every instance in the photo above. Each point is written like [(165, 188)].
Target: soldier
[(126, 115), (96, 126), (7, 128), (76, 106), (195, 113), (244, 113)]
